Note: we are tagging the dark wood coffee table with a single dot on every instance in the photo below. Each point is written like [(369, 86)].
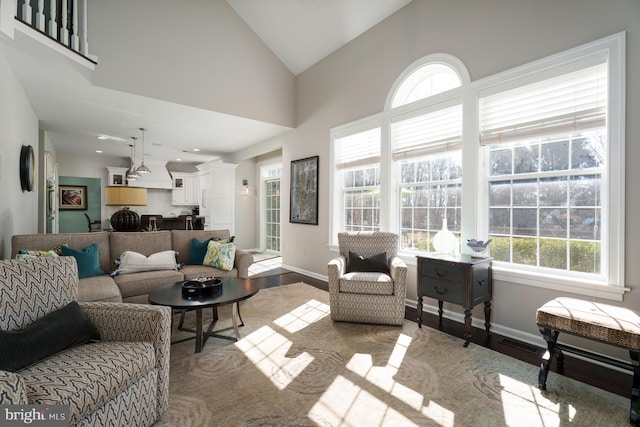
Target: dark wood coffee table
[(233, 291)]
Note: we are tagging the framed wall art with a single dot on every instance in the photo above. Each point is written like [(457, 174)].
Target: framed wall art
[(303, 208), (72, 197)]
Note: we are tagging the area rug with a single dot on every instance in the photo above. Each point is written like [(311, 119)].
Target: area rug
[(295, 367)]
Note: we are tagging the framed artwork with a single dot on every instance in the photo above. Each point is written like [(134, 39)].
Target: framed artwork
[(72, 197), (304, 191), (118, 179)]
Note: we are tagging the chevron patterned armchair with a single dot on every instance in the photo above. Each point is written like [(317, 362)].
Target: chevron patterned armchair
[(365, 286), (118, 379)]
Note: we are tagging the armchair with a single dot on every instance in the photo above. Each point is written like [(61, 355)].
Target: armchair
[(122, 379), (367, 296)]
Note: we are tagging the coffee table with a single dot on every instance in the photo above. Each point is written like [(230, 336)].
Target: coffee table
[(233, 291)]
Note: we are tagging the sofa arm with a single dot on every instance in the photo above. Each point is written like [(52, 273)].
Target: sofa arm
[(137, 322), (242, 263), (12, 389)]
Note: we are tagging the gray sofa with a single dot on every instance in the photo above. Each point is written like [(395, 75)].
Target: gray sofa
[(120, 380), (134, 287)]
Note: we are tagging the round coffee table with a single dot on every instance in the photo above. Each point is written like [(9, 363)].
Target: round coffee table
[(233, 291)]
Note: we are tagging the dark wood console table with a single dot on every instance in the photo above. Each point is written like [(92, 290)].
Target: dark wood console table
[(460, 279)]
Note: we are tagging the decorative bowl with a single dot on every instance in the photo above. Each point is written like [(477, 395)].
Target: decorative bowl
[(201, 286)]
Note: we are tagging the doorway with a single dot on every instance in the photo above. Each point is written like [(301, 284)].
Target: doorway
[(270, 211)]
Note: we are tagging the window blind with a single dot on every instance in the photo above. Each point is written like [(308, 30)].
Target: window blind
[(571, 102), (429, 133), (358, 149)]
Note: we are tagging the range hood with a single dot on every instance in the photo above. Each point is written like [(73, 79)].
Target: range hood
[(158, 177)]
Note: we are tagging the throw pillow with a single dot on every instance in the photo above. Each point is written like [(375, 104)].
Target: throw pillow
[(133, 262), (376, 263), (50, 334), (88, 260), (220, 255), (198, 249), (26, 254)]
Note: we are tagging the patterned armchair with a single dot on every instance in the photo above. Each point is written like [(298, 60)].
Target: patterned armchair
[(123, 379), (367, 297)]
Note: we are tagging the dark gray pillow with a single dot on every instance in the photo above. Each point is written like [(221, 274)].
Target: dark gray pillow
[(376, 263), (50, 334)]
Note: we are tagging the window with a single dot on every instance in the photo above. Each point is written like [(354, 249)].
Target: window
[(532, 158), (358, 167), (270, 211)]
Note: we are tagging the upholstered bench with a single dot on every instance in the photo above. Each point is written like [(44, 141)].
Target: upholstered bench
[(599, 322)]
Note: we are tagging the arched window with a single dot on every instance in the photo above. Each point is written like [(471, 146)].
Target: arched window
[(429, 76)]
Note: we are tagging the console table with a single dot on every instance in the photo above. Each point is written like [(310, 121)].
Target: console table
[(460, 279)]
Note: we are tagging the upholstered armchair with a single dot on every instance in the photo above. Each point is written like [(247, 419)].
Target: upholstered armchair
[(368, 296), (109, 362)]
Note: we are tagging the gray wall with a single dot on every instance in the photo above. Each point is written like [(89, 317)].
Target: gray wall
[(489, 37)]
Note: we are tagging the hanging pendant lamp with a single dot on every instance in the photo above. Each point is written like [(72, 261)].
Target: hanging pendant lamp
[(142, 169), (133, 175)]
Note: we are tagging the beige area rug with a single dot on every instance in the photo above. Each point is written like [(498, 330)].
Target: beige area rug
[(295, 367)]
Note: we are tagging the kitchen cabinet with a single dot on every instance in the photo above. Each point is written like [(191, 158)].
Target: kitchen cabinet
[(217, 195), (185, 190)]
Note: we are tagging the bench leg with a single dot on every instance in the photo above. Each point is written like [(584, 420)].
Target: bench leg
[(634, 415), (551, 337)]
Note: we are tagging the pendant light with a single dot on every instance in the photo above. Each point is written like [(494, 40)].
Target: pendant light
[(133, 175), (142, 169)]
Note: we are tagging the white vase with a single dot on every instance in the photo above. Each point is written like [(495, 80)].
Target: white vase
[(445, 241)]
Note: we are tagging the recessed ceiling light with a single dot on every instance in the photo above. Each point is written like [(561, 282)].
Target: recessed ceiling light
[(178, 160), (103, 137), (196, 149), (99, 151)]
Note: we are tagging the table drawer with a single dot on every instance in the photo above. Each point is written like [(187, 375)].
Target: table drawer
[(443, 271), (442, 289)]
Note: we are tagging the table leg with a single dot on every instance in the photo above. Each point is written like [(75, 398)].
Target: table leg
[(487, 316), (198, 330), (440, 311), (467, 327), (234, 319), (419, 312)]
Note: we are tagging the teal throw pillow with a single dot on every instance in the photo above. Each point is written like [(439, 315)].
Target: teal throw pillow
[(220, 255), (197, 251), (88, 260)]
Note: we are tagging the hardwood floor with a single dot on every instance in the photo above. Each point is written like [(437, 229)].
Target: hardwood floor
[(589, 373)]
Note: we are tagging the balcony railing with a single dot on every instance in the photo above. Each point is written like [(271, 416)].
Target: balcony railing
[(65, 21)]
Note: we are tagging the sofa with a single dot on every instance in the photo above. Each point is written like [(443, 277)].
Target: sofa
[(117, 375), (134, 287)]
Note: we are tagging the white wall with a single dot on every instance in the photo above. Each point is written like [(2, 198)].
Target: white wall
[(18, 127), (489, 37)]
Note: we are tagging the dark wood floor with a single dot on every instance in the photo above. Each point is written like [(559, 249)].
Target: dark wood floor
[(589, 373)]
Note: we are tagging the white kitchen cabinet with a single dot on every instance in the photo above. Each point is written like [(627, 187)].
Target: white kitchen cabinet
[(217, 195), (185, 190)]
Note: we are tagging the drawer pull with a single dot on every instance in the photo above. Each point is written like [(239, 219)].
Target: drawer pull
[(443, 274), (439, 292), (482, 282)]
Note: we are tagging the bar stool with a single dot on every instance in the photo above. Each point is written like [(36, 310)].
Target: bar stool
[(187, 220)]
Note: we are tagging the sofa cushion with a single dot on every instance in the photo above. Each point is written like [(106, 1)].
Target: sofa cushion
[(50, 334), (88, 260), (87, 376), (98, 288), (376, 263), (143, 243), (368, 283), (144, 282), (134, 262), (192, 272), (181, 240), (220, 255)]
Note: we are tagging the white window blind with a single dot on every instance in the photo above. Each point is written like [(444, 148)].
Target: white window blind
[(571, 102), (429, 133), (358, 149)]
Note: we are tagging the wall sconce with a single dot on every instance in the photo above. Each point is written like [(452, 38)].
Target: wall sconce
[(245, 183)]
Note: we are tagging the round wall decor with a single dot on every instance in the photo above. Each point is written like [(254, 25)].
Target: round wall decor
[(27, 168)]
